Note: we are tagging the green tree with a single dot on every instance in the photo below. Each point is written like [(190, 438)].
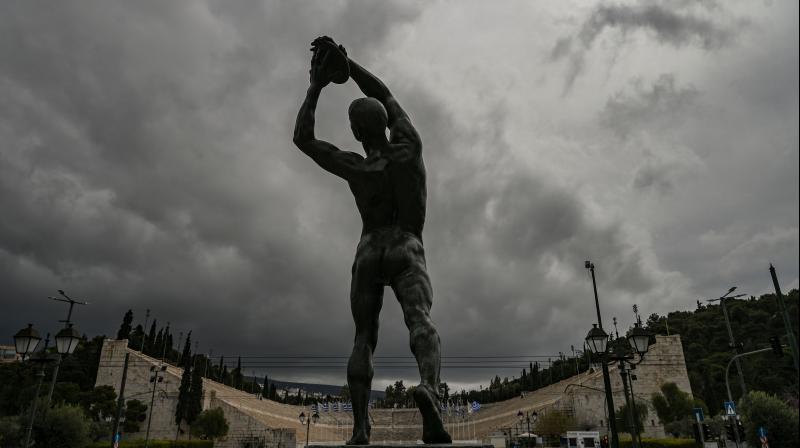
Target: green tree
[(344, 394), (194, 404), (135, 337), (186, 382), (210, 424), (671, 404), (10, 431), (554, 423), (63, 426), (220, 378), (265, 391), (779, 419), (125, 329), (640, 417), (100, 402), (150, 341), (238, 377), (135, 414), (158, 344)]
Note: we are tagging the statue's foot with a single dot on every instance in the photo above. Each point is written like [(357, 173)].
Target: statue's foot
[(432, 428), (360, 437)]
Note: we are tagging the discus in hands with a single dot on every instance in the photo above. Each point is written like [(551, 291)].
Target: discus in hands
[(331, 59)]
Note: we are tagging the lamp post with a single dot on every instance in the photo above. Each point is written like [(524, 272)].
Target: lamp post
[(66, 339), (307, 422), (527, 417), (25, 343), (156, 376), (598, 339), (732, 343), (638, 343)]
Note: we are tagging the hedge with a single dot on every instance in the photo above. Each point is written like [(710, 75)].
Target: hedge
[(156, 444), (662, 443)]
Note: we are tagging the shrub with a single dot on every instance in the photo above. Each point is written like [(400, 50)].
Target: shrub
[(157, 444), (10, 431), (762, 409), (64, 426), (210, 424)]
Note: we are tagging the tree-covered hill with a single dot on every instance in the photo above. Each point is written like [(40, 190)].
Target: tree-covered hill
[(706, 346)]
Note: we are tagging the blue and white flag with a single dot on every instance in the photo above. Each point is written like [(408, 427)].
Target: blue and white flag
[(314, 407), (325, 407), (348, 407), (476, 406), (336, 406)]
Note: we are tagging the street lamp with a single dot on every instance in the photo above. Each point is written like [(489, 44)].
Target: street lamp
[(597, 339), (527, 417), (25, 343), (598, 345), (733, 345), (639, 338), (307, 422), (26, 340), (638, 341), (67, 339)]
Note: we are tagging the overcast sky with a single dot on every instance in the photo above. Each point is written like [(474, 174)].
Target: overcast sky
[(146, 162)]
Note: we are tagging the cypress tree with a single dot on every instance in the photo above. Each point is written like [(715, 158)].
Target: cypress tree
[(183, 391), (151, 339), (125, 329), (237, 374), (135, 338), (273, 392), (158, 344), (219, 369), (195, 398), (168, 341), (225, 375), (187, 354), (265, 392)]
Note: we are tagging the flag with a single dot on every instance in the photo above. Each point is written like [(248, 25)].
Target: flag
[(325, 407), (348, 407), (476, 406)]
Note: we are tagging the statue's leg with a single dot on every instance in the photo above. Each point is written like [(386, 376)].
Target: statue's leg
[(366, 299), (413, 289)]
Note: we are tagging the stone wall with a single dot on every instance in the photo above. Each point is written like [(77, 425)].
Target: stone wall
[(663, 363), (243, 425), (276, 424)]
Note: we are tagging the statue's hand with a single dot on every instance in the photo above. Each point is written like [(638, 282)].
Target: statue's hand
[(321, 74)]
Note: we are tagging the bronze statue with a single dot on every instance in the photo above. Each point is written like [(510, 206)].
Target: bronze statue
[(389, 189)]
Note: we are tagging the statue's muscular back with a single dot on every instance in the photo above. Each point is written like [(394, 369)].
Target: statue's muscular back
[(394, 197)]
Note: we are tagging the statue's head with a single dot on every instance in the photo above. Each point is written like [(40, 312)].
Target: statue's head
[(368, 118)]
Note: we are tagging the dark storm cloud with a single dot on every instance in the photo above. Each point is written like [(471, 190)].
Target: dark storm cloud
[(135, 166), (146, 162), (659, 20)]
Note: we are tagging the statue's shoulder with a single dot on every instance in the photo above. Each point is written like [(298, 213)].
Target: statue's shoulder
[(402, 131)]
